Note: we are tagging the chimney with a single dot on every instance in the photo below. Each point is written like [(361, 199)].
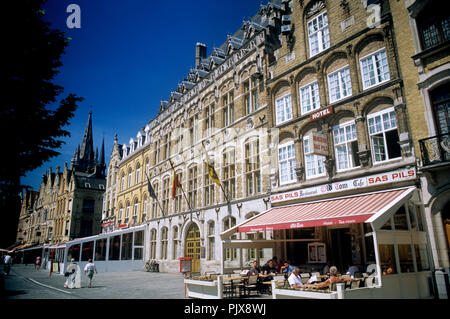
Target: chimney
[(200, 53)]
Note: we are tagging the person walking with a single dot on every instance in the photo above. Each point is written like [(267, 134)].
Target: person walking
[(73, 275), (38, 263), (89, 271), (7, 263)]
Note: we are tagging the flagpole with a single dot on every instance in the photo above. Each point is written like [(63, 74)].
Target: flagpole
[(156, 197), (227, 198)]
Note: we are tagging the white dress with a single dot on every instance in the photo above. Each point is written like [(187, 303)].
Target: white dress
[(74, 279)]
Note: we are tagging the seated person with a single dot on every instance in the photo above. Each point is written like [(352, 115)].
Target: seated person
[(275, 263), (269, 268), (351, 270), (287, 268), (255, 270), (334, 278), (295, 281), (326, 269)]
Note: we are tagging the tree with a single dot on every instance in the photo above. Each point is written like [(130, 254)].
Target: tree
[(32, 121)]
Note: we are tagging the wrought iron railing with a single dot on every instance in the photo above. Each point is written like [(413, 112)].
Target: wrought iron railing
[(435, 149)]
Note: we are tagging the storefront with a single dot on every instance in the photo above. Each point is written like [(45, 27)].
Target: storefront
[(375, 230)]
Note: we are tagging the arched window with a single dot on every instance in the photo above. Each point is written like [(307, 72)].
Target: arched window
[(135, 211), (345, 145), (155, 206), (208, 188), (209, 120), (252, 167), (164, 238), (228, 108), (122, 182), (165, 197), (192, 186), (130, 171), (317, 28), (177, 205), (383, 135), (314, 164), (211, 241), (229, 222), (250, 95), (283, 108), (153, 244), (229, 172), (286, 162), (176, 243), (339, 83), (127, 213), (119, 221), (138, 173), (144, 211), (440, 98)]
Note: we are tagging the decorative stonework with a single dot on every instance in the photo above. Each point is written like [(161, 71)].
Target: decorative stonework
[(319, 5)]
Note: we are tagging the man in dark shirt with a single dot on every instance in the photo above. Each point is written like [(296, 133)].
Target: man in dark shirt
[(269, 268)]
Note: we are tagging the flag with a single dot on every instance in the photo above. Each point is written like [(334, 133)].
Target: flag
[(151, 191), (212, 173), (176, 183)]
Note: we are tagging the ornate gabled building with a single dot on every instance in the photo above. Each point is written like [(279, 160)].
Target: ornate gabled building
[(29, 198), (70, 202), (110, 196), (219, 111)]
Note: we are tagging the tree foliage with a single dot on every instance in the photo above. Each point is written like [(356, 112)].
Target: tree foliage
[(33, 116)]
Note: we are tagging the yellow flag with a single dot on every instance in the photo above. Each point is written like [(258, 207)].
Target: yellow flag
[(212, 173)]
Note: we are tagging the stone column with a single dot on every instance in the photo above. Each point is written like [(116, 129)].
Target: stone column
[(354, 75), (402, 124), (294, 98), (363, 139)]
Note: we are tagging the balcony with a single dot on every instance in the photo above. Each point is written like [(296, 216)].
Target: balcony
[(435, 150)]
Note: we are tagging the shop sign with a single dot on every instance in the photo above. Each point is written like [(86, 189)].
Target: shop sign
[(365, 181), (319, 144), (322, 113), (106, 224)]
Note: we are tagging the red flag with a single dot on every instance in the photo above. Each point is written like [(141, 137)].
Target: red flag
[(176, 183)]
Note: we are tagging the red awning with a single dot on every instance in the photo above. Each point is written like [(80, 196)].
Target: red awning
[(339, 211)]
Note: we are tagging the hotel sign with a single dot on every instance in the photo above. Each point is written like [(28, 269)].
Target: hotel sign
[(322, 113), (365, 181)]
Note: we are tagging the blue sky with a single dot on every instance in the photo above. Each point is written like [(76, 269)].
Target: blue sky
[(127, 56)]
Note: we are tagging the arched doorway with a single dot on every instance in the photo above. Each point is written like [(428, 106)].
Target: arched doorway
[(193, 246)]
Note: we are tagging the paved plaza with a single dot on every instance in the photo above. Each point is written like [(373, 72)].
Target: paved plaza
[(24, 282)]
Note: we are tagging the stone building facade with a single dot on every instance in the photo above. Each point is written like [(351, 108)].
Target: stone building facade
[(69, 204), (317, 98), (428, 86), (220, 113), (28, 201)]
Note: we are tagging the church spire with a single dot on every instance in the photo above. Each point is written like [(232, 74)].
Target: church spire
[(87, 144)]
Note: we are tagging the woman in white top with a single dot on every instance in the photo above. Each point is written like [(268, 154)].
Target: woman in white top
[(89, 271)]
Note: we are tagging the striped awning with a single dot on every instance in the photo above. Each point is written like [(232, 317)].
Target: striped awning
[(338, 211)]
